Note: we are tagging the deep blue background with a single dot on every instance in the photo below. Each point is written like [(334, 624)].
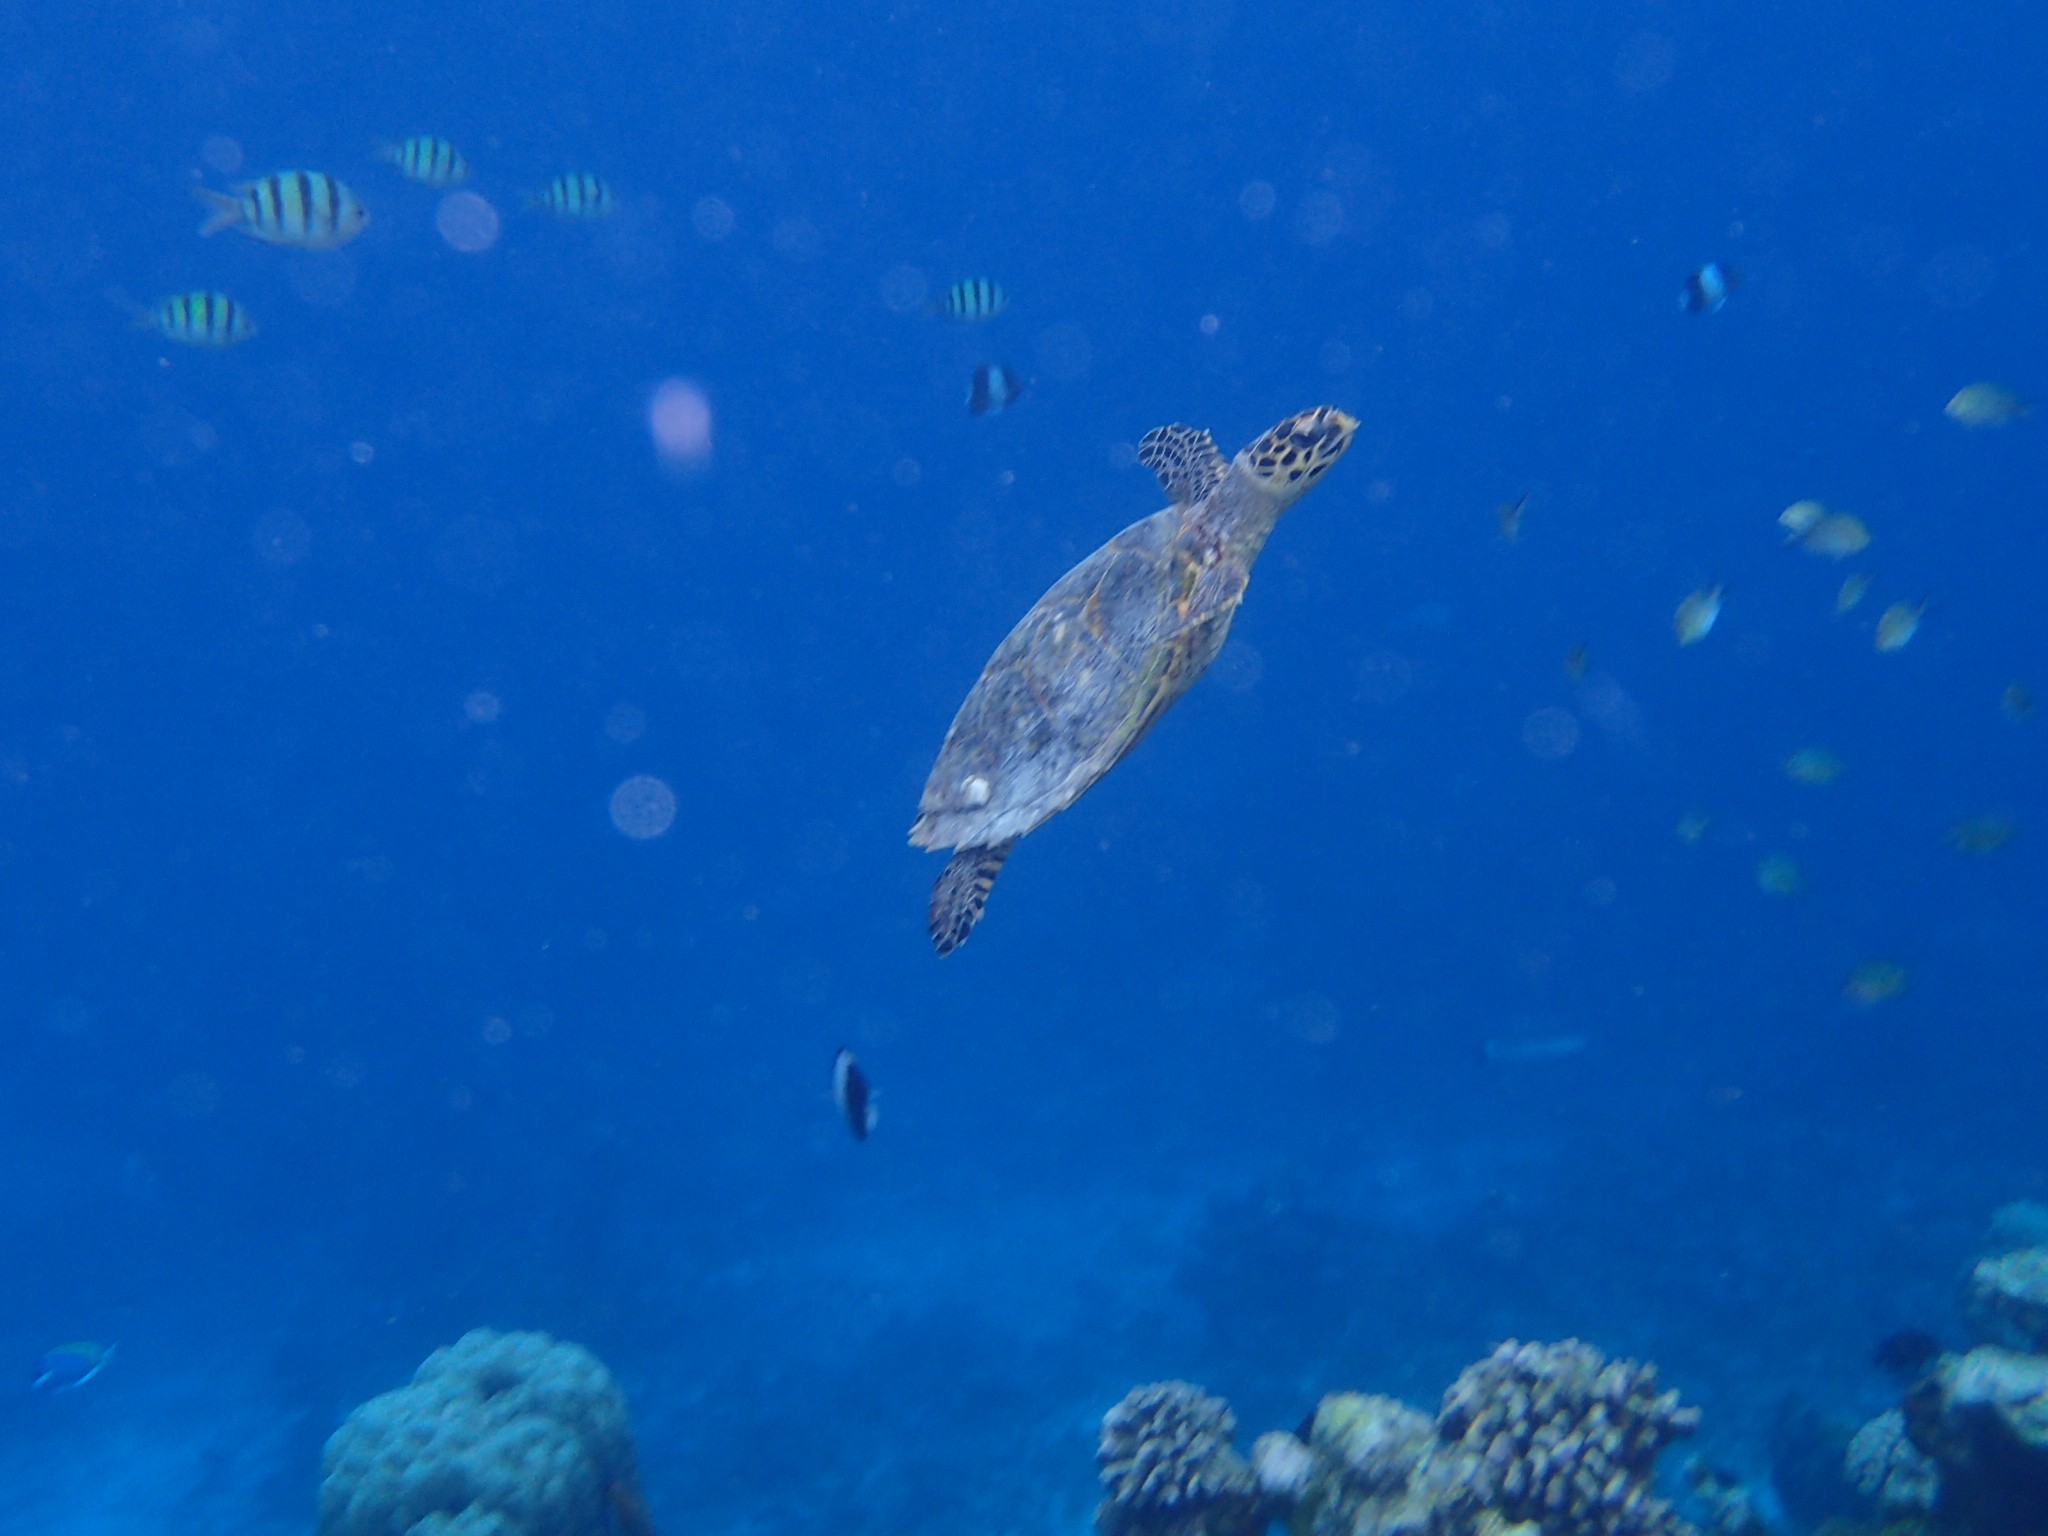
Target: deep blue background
[(1207, 1095)]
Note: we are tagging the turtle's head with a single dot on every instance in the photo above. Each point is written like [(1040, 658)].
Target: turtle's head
[(1294, 455)]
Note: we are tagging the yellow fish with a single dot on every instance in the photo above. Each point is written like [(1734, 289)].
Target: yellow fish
[(1813, 765), (1798, 519), (1777, 875), (1984, 405), (577, 196), (1982, 834), (1837, 536), (1854, 585), (199, 319), (427, 159), (1898, 624), (306, 209), (1696, 615), (1875, 981)]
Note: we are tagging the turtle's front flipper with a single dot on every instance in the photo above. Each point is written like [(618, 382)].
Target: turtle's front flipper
[(962, 892)]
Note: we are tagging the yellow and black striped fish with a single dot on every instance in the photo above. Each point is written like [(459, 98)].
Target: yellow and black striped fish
[(199, 319), (579, 195), (425, 158), (973, 298), (306, 209)]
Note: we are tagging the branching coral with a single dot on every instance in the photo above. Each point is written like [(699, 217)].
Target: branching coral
[(1168, 1467), (499, 1434)]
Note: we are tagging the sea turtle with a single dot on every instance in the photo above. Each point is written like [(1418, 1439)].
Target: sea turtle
[(1099, 658)]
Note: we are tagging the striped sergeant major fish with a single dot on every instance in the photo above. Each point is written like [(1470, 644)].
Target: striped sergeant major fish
[(973, 298), (427, 159), (579, 195), (198, 319), (306, 209)]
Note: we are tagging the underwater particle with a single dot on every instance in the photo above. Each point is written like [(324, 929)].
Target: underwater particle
[(1209, 325), (193, 1095), (1897, 625), (70, 1366), (2017, 701), (850, 1091), (903, 289), (1527, 1050), (991, 388), (308, 210), (482, 707), (199, 319), (972, 299), (1696, 615), (1906, 1354), (1550, 733), (1777, 875), (1836, 536), (1798, 519), (221, 154), (1707, 289), (1813, 765), (576, 196), (625, 723), (361, 453), (1319, 218), (1257, 199), (679, 421), (1576, 661), (1507, 517), (1854, 585), (1982, 834), (1692, 826), (1985, 405), (496, 1030), (906, 472), (281, 537), (427, 159), (467, 222), (643, 807), (713, 220), (1384, 676), (1875, 981)]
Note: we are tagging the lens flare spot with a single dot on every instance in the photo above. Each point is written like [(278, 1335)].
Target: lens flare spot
[(679, 419)]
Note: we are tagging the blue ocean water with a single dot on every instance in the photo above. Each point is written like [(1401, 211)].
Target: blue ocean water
[(340, 1018)]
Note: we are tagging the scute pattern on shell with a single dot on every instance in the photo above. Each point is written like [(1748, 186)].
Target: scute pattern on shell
[(1168, 1468), (1560, 1435)]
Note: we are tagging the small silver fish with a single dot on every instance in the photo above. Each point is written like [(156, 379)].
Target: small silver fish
[(1898, 624), (1984, 405), (856, 1100), (1696, 615)]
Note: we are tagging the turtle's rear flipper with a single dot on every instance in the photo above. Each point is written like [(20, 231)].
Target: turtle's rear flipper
[(962, 893)]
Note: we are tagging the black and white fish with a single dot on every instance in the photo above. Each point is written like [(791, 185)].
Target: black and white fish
[(428, 159), (578, 196), (306, 209), (856, 1100), (991, 389), (973, 298), (1708, 288)]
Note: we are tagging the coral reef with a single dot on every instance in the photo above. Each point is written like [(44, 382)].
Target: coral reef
[(1888, 1469), (2008, 1299), (499, 1434), (1534, 1440), (1982, 1418), (1168, 1467)]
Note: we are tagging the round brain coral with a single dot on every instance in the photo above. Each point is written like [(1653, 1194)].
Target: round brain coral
[(499, 1434)]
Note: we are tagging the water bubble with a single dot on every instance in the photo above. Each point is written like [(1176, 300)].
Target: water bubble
[(1257, 200), (1210, 325), (643, 807), (1319, 219), (679, 417), (467, 222), (712, 218), (904, 289), (625, 723), (482, 707), (221, 154), (907, 472), (281, 538), (1551, 733), (497, 1031), (363, 453)]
